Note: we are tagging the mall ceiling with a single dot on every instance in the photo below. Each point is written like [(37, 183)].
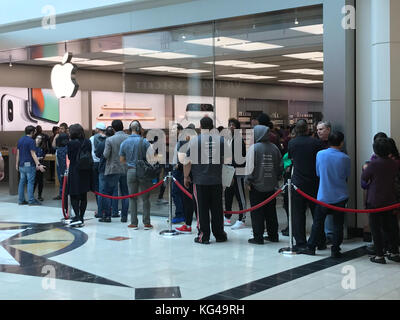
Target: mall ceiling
[(283, 48)]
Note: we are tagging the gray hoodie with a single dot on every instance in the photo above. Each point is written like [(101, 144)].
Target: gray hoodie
[(264, 164)]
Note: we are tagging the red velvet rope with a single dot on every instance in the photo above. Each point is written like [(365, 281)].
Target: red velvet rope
[(389, 208), (234, 212), (131, 195), (65, 212)]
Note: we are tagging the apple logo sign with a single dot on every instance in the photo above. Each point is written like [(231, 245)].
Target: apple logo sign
[(63, 78)]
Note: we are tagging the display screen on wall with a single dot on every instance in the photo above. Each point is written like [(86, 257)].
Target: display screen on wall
[(149, 109), (21, 107), (190, 109)]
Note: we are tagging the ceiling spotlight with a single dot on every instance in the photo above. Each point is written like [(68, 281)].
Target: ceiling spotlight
[(296, 22)]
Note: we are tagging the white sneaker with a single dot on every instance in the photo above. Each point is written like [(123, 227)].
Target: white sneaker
[(238, 225), (227, 222)]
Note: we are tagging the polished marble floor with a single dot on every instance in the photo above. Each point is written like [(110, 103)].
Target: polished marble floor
[(40, 258)]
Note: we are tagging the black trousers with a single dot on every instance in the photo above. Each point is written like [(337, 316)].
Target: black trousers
[(317, 235), (209, 199), (384, 226), (79, 204), (263, 217), (237, 190), (299, 207), (189, 206), (38, 182)]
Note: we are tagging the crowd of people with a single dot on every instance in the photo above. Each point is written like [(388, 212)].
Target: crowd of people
[(316, 162)]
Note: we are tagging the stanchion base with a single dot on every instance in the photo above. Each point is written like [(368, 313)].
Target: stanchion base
[(169, 233), (288, 251)]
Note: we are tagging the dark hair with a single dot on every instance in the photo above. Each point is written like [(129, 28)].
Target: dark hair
[(55, 128), (220, 128), (393, 148), (380, 135), (301, 127), (179, 127), (264, 119), (206, 123), (110, 130), (117, 125), (38, 129), (64, 125), (29, 129), (76, 131), (336, 138), (382, 147), (235, 122)]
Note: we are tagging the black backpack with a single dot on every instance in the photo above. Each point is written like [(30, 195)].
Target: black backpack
[(145, 170), (84, 159)]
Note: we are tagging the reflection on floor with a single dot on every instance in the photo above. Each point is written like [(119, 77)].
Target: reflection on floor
[(40, 258)]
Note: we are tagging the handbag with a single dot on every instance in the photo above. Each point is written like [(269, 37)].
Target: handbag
[(144, 169)]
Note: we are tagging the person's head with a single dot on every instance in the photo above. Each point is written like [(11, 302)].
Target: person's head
[(30, 130), (380, 135), (206, 123), (264, 119), (135, 127), (233, 124), (109, 131), (63, 127), (191, 126), (55, 130), (117, 125), (76, 131), (382, 147), (220, 128), (38, 129), (336, 139), (394, 152), (301, 128), (100, 128), (38, 140), (254, 122), (323, 130)]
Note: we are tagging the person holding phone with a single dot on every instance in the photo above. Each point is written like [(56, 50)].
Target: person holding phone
[(27, 164), (60, 142)]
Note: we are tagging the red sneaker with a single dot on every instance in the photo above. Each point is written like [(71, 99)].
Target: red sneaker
[(184, 229)]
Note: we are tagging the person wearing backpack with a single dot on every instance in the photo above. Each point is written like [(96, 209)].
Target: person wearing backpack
[(80, 182), (132, 151)]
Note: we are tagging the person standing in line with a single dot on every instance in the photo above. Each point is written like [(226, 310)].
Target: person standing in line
[(60, 142), (237, 188), (333, 168), (206, 157), (2, 175), (302, 150), (129, 154), (95, 140), (80, 180), (189, 206), (380, 176), (27, 164), (104, 204), (177, 194), (115, 173), (264, 167), (40, 153)]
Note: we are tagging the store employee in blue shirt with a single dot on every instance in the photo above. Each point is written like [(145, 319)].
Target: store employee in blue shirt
[(333, 169), (27, 163)]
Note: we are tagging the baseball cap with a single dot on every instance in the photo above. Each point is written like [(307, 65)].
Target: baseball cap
[(101, 126)]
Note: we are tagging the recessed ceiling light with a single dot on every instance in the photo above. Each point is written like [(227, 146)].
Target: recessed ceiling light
[(99, 62), (167, 55), (246, 76), (131, 51), (302, 81), (219, 42), (305, 71), (190, 71), (59, 59), (313, 29), (253, 46), (173, 69), (306, 55), (242, 64)]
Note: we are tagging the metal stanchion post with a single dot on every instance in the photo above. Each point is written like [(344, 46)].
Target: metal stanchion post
[(289, 251), (170, 232)]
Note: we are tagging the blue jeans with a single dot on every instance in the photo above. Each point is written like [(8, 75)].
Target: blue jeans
[(27, 176), (111, 188), (329, 226), (101, 201), (177, 194)]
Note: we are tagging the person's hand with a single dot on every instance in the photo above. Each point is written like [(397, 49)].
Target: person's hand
[(17, 168), (41, 168), (248, 187), (365, 166), (187, 182), (2, 175)]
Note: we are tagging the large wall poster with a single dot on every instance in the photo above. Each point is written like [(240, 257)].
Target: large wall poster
[(149, 109), (190, 109), (21, 107)]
